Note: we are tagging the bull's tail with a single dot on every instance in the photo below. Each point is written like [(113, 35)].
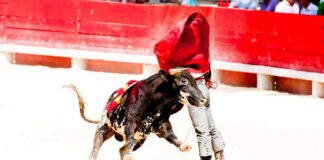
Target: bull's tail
[(81, 103)]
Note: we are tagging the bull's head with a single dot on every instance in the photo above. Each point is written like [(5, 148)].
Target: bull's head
[(189, 91)]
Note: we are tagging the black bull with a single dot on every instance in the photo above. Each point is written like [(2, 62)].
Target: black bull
[(147, 111)]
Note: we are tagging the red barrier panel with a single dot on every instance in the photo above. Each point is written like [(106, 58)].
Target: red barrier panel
[(2, 8), (240, 36), (297, 42), (50, 15), (270, 39), (2, 20), (41, 22), (114, 25)]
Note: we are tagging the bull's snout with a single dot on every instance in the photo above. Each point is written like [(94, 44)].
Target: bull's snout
[(203, 102)]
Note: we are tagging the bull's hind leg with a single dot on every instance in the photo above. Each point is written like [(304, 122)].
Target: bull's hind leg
[(102, 134)]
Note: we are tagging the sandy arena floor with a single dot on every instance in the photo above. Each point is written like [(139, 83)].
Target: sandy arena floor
[(40, 120)]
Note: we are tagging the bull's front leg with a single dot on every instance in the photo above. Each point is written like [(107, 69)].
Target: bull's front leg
[(131, 127), (165, 131)]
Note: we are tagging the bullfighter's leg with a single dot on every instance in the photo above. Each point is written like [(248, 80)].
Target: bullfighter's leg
[(102, 134), (165, 131), (209, 138)]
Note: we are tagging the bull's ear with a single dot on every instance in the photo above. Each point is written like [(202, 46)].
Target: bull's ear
[(174, 71)]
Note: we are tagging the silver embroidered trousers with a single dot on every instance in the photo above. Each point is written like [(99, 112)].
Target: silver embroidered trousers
[(209, 137)]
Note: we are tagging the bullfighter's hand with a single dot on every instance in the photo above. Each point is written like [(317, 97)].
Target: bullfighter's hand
[(208, 83)]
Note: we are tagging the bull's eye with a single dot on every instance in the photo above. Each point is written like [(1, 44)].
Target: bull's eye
[(183, 82)]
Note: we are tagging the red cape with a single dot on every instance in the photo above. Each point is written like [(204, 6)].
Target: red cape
[(186, 45)]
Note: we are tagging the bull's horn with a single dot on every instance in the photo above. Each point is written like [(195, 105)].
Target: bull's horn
[(174, 71)]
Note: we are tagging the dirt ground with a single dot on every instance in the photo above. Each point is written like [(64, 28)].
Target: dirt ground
[(40, 120)]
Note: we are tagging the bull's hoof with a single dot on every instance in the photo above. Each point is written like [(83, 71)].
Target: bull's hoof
[(185, 147), (128, 157)]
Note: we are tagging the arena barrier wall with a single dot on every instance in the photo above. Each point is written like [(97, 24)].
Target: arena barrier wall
[(248, 48)]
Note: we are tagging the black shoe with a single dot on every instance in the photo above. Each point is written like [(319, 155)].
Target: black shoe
[(205, 157)]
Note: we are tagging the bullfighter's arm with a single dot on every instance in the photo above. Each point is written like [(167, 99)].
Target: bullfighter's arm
[(165, 131)]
